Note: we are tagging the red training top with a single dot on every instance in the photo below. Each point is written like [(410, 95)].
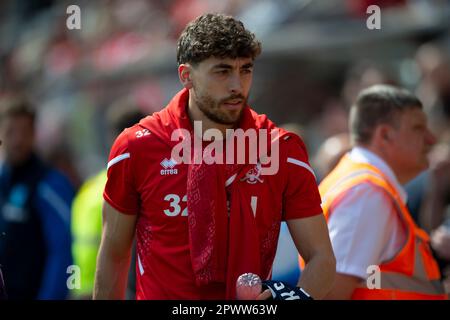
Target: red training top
[(144, 181)]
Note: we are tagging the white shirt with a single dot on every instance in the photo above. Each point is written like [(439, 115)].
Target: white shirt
[(364, 227)]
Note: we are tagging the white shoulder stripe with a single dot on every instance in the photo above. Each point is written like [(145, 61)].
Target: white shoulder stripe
[(301, 164), (230, 180), (117, 159)]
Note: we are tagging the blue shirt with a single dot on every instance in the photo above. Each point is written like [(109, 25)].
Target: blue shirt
[(43, 206)]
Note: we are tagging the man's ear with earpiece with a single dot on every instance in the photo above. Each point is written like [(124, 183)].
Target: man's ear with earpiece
[(184, 73)]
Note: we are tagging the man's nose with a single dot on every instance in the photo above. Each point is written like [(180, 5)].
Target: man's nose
[(235, 83), (430, 138)]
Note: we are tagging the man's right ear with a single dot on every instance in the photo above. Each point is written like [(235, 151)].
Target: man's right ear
[(382, 136), (184, 73)]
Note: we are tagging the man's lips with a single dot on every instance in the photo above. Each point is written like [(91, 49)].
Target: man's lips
[(233, 104)]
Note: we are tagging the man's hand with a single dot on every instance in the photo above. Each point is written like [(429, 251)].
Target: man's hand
[(282, 291), (265, 295)]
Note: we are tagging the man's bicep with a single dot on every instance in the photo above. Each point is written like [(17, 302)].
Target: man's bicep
[(310, 235), (118, 230)]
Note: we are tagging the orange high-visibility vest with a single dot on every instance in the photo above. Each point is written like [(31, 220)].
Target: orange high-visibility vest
[(413, 273)]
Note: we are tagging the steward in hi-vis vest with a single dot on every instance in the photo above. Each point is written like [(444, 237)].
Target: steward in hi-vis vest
[(412, 273)]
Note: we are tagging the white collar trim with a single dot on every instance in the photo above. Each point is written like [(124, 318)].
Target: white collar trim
[(360, 154)]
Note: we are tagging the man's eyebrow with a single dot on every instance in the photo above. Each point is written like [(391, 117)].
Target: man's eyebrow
[(222, 66), (228, 66)]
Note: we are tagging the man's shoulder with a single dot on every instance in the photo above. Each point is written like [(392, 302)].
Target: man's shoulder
[(292, 147), (137, 136), (365, 195)]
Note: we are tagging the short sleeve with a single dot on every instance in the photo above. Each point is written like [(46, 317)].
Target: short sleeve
[(364, 230), (301, 197), (120, 191)]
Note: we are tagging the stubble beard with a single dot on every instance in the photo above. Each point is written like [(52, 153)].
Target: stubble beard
[(212, 108)]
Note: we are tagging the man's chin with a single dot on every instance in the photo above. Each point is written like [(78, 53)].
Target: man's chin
[(229, 117), (423, 165), (235, 120), (232, 107), (228, 122)]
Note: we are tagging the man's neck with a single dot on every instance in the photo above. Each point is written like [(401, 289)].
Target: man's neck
[(402, 177)]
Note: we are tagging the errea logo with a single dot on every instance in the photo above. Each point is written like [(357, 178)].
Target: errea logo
[(168, 166)]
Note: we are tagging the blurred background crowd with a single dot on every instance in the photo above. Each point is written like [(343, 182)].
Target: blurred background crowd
[(317, 55)]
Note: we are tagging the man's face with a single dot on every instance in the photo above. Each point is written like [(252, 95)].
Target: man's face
[(17, 135), (221, 87), (412, 141)]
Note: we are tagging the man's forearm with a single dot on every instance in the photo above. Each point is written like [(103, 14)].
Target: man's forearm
[(318, 276), (111, 277)]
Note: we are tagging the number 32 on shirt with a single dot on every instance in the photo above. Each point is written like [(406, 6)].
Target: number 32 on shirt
[(175, 207)]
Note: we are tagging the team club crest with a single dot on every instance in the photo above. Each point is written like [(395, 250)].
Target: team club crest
[(253, 175)]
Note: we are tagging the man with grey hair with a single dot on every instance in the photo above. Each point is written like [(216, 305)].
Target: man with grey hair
[(380, 252)]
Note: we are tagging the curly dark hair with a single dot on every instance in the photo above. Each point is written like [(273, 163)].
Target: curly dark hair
[(216, 35)]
